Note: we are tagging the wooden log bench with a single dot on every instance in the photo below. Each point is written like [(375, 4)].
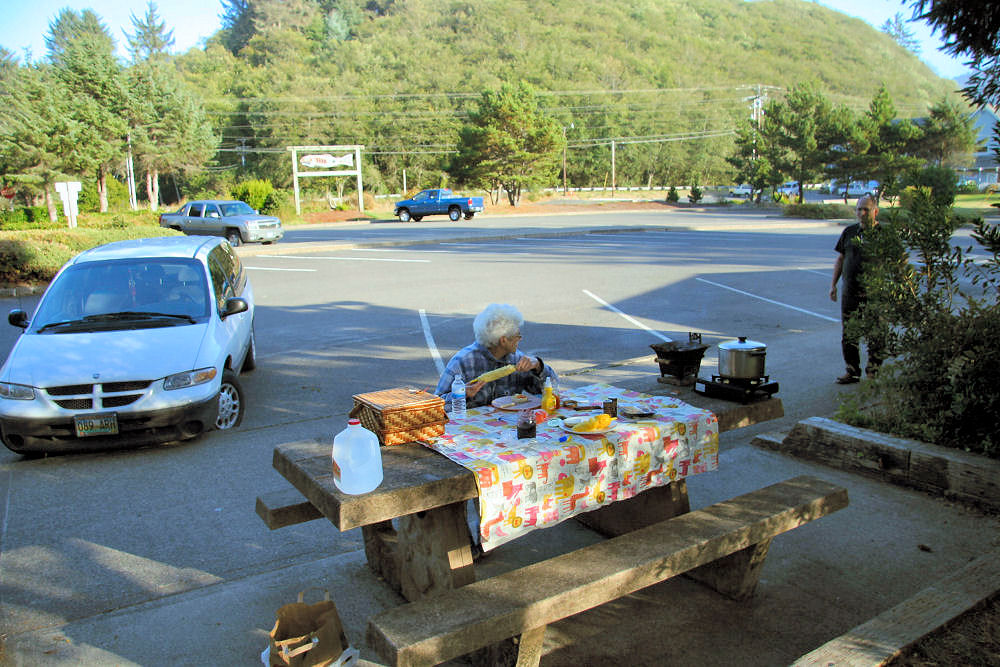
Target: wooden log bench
[(286, 507), (723, 545)]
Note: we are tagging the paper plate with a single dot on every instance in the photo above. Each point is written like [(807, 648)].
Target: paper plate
[(569, 422), (515, 403)]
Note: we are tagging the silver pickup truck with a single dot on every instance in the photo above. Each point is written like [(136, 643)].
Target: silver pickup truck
[(224, 217)]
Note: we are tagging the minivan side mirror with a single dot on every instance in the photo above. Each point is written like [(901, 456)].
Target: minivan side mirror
[(236, 304), (18, 318)]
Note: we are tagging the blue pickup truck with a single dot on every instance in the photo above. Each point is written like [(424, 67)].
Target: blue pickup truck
[(438, 202)]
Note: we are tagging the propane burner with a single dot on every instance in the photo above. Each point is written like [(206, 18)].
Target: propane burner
[(744, 390)]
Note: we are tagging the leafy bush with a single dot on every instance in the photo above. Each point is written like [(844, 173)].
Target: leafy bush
[(694, 196), (33, 217), (35, 255), (117, 195), (940, 180), (672, 195), (256, 193), (940, 318), (968, 188), (818, 211)]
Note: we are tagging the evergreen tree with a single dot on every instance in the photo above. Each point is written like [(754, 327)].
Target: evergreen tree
[(509, 143), (949, 135), (893, 142), (799, 129), (847, 147), (82, 52), (150, 38), (896, 28), (39, 136)]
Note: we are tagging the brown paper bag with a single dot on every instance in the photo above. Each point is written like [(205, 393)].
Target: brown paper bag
[(307, 635)]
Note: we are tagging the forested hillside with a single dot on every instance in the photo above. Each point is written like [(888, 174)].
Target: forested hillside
[(399, 76), (665, 82)]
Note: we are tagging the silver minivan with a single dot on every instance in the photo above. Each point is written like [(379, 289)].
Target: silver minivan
[(133, 342)]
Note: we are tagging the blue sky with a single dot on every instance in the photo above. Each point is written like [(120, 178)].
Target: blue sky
[(25, 22)]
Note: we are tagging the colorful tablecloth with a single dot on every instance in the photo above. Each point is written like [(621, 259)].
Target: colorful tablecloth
[(538, 482)]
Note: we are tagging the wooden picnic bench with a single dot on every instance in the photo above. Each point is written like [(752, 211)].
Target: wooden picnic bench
[(723, 545)]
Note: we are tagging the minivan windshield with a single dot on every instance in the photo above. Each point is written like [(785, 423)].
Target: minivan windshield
[(121, 293)]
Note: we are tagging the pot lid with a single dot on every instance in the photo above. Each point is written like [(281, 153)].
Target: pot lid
[(742, 344)]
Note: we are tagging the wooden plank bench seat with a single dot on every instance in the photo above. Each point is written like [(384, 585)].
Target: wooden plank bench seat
[(286, 507), (723, 545)]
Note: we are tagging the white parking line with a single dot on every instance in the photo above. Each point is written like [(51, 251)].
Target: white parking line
[(627, 317), (777, 303), (348, 259), (271, 268), (819, 273), (431, 345)]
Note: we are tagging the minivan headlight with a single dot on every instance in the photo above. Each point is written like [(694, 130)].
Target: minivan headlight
[(17, 392), (189, 378)]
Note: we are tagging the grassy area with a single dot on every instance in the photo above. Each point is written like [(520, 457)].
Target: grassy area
[(35, 254), (980, 204)]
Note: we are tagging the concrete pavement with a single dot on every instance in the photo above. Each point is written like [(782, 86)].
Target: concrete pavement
[(819, 580)]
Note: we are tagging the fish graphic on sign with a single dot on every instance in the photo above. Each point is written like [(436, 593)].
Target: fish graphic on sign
[(317, 160)]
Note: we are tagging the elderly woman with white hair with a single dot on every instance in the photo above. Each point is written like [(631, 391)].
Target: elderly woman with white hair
[(498, 332)]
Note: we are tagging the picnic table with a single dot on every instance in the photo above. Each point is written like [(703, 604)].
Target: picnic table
[(414, 524)]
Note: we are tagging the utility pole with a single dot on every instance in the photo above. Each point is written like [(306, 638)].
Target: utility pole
[(564, 156)]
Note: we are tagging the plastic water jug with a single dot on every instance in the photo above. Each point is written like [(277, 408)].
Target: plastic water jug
[(357, 460)]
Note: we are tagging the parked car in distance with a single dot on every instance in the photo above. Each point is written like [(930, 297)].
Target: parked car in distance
[(232, 219), (741, 190), (438, 202), (790, 189), (133, 342)]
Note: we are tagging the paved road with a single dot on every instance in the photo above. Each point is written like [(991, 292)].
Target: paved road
[(93, 546)]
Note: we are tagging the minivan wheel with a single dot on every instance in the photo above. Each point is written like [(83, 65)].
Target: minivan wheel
[(230, 402)]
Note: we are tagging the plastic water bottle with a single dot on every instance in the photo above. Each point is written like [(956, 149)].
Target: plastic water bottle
[(357, 460), (458, 398)]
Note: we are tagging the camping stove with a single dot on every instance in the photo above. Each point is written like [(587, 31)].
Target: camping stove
[(744, 390)]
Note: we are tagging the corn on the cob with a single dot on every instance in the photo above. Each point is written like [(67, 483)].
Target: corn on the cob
[(495, 374), (595, 423)]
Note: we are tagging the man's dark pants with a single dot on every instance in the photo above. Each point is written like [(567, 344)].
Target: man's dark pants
[(849, 305)]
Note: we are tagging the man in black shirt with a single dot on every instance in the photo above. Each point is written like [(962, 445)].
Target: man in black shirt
[(850, 265)]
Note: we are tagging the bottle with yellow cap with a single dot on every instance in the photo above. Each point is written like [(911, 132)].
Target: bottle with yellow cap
[(549, 402)]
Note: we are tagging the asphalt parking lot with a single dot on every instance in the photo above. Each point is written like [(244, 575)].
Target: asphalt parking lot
[(155, 557)]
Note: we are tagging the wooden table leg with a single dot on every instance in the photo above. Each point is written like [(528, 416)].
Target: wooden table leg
[(651, 506), (427, 553)]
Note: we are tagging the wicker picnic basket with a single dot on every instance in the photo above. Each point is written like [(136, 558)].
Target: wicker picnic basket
[(398, 416)]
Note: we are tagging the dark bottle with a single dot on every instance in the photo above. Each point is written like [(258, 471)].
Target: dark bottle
[(525, 425)]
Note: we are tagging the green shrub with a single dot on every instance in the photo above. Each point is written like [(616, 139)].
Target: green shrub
[(940, 318), (694, 196), (256, 193), (672, 195), (90, 202), (13, 219), (940, 180), (37, 214), (817, 211), (968, 188)]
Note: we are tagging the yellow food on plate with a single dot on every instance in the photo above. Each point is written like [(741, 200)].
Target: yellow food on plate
[(595, 423), (495, 374)]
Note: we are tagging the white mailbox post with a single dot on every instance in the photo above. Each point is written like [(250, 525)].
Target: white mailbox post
[(68, 191)]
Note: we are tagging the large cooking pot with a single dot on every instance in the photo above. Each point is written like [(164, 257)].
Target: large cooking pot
[(742, 359)]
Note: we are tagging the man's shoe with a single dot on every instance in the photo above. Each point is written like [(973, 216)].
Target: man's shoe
[(847, 378)]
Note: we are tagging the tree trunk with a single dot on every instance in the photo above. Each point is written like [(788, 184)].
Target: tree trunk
[(51, 205), (102, 188), (153, 189)]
